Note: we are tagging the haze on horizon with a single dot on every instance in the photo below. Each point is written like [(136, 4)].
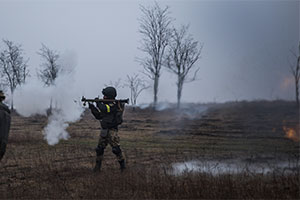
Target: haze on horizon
[(246, 50)]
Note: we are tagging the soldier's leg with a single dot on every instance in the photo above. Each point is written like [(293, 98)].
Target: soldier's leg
[(116, 149), (102, 143), (2, 148)]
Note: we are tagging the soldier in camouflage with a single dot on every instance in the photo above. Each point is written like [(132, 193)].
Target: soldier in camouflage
[(4, 124), (106, 113)]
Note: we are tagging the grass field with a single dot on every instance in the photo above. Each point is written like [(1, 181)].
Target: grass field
[(243, 133)]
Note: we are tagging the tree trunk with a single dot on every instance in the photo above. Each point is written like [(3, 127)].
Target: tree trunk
[(297, 93), (297, 82), (50, 104), (131, 97), (12, 104), (297, 103), (179, 91), (155, 90), (49, 110), (12, 101), (134, 104)]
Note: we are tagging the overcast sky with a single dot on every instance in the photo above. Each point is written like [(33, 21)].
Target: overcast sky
[(246, 50)]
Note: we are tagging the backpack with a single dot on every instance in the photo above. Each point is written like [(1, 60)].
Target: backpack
[(119, 113)]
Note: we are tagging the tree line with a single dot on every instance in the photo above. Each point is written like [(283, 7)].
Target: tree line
[(163, 45), (167, 46), (14, 67), (14, 71), (176, 50)]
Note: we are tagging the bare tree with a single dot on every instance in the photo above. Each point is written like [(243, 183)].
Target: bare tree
[(295, 70), (50, 67), (154, 27), (13, 66), (182, 54), (3, 84), (136, 86)]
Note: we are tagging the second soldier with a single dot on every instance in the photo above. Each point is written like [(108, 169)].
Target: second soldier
[(4, 124)]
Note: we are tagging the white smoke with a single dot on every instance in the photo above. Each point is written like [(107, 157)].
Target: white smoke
[(163, 106), (190, 110), (160, 106), (56, 128), (33, 98), (233, 167)]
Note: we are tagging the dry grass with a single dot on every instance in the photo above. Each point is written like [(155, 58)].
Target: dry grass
[(141, 181), (152, 141)]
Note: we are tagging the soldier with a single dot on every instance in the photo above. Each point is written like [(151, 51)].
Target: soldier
[(4, 124), (106, 113)]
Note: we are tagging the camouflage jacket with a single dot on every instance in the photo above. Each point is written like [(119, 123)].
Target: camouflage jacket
[(106, 113), (4, 123), (4, 107)]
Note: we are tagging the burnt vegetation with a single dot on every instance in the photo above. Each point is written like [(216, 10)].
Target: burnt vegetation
[(251, 132)]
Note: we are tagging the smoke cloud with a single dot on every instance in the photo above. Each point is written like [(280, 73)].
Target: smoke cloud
[(190, 110), (233, 167), (33, 98)]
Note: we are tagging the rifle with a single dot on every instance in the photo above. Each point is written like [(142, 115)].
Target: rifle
[(84, 100)]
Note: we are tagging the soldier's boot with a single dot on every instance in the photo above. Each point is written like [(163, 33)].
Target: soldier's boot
[(122, 165), (97, 167), (118, 152), (99, 154)]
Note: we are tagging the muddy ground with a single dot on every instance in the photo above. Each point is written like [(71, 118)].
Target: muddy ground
[(240, 131)]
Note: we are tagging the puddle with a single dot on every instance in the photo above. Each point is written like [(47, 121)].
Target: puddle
[(232, 167)]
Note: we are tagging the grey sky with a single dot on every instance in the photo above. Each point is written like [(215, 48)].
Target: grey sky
[(246, 44)]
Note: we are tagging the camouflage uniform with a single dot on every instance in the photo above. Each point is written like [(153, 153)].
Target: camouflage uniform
[(113, 140), (106, 114), (4, 125)]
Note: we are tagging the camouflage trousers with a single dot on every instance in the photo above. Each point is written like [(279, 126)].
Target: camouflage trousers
[(109, 136)]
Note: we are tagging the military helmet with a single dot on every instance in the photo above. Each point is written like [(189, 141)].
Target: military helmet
[(2, 96), (109, 92)]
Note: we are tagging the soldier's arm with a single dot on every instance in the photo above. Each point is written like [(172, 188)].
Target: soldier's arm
[(95, 111)]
